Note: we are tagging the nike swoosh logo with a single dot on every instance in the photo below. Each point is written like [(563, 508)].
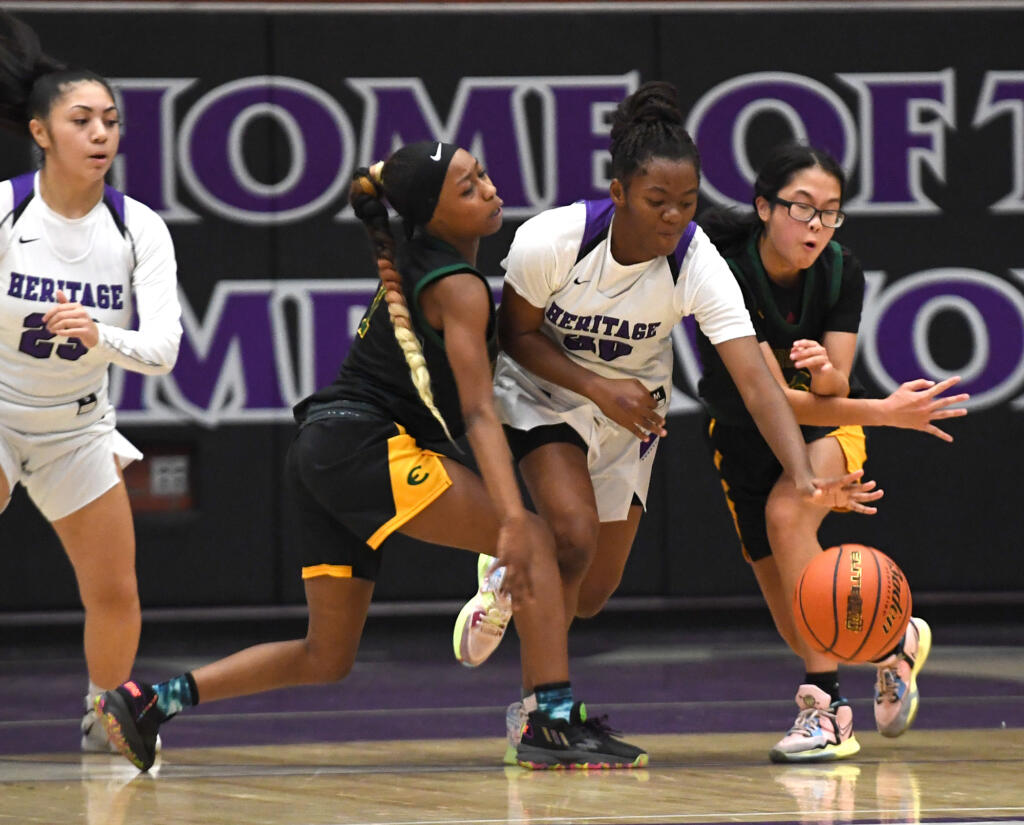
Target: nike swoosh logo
[(27, 240), (578, 281), (437, 154)]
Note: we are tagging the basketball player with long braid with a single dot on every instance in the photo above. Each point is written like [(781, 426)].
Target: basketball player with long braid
[(592, 292), (804, 294), (374, 456), (78, 260)]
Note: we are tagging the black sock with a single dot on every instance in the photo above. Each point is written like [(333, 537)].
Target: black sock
[(897, 649), (827, 681)]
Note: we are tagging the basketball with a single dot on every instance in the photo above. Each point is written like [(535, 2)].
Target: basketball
[(852, 602)]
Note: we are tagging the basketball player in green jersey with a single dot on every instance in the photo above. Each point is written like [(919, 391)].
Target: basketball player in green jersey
[(374, 455), (804, 293)]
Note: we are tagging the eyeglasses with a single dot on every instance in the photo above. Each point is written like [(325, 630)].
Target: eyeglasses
[(804, 212)]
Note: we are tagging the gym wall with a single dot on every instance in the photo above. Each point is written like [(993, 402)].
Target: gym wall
[(243, 124)]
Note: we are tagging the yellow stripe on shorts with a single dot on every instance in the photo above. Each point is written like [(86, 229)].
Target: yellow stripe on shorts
[(854, 445), (336, 571), (418, 477)]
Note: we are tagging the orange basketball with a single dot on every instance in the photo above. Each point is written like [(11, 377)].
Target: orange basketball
[(852, 602)]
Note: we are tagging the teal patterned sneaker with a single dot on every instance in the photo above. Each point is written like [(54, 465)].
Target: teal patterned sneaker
[(896, 694), (823, 730), (482, 621)]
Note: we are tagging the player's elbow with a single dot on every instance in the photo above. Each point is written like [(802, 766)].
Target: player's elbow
[(167, 353)]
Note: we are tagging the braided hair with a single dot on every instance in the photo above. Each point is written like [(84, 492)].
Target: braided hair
[(728, 228), (366, 196), (649, 124), (30, 80)]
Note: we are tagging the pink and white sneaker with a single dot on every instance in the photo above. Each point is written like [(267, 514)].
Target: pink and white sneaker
[(484, 618), (823, 730), (896, 694)]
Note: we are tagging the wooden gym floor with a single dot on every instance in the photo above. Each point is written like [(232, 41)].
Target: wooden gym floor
[(411, 738)]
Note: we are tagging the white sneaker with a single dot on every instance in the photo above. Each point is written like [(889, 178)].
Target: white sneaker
[(823, 730), (484, 618), (94, 735)]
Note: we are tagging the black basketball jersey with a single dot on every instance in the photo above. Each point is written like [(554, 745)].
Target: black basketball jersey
[(375, 370), (828, 296)]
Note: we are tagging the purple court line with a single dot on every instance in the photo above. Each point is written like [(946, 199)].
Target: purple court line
[(408, 700)]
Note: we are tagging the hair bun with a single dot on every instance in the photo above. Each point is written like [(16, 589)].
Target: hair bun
[(363, 179), (367, 207), (656, 101)]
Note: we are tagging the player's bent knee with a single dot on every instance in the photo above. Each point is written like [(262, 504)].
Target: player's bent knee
[(327, 668), (573, 562), (784, 513), (332, 671), (576, 541)]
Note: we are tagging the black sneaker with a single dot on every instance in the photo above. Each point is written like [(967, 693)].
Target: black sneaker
[(130, 727), (579, 743)]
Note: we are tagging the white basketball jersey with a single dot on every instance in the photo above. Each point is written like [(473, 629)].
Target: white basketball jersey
[(613, 319), (117, 261)]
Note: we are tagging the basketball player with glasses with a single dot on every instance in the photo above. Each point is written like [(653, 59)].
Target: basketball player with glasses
[(78, 260), (804, 293)]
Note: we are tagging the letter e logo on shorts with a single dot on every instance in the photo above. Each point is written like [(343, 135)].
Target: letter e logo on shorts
[(415, 477)]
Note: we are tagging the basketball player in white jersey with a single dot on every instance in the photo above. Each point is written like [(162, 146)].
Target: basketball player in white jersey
[(592, 292), (77, 260)]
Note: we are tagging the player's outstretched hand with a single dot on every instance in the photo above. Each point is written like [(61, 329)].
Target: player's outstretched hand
[(914, 405), (846, 492)]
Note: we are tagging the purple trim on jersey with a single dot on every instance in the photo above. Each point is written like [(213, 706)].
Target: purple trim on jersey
[(646, 445), (23, 186), (595, 230), (675, 260), (115, 200)]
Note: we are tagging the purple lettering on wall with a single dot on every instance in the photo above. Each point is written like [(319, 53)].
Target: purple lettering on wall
[(236, 354), (992, 311), (583, 131), (145, 167), (317, 131), (903, 120), (720, 120), (1003, 95)]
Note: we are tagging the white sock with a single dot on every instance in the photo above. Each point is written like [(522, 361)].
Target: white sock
[(94, 691)]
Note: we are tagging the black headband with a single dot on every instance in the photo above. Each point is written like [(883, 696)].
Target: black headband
[(430, 160)]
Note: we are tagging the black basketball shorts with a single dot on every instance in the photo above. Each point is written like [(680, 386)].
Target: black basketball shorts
[(749, 469), (353, 479)]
